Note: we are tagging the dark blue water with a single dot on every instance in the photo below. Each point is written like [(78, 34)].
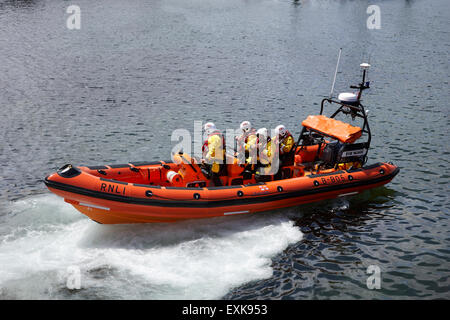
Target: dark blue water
[(114, 91)]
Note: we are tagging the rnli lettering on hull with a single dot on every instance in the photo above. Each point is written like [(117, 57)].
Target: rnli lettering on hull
[(110, 188)]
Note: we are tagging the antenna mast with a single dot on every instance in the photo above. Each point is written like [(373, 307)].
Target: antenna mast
[(335, 73)]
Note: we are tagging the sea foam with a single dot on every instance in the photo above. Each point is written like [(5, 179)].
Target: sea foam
[(42, 237)]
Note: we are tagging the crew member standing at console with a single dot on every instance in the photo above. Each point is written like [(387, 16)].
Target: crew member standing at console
[(214, 152)]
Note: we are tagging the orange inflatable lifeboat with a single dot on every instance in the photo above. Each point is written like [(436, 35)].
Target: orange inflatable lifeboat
[(136, 192), (326, 162)]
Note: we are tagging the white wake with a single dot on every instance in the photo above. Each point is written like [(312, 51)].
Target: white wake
[(41, 237)]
